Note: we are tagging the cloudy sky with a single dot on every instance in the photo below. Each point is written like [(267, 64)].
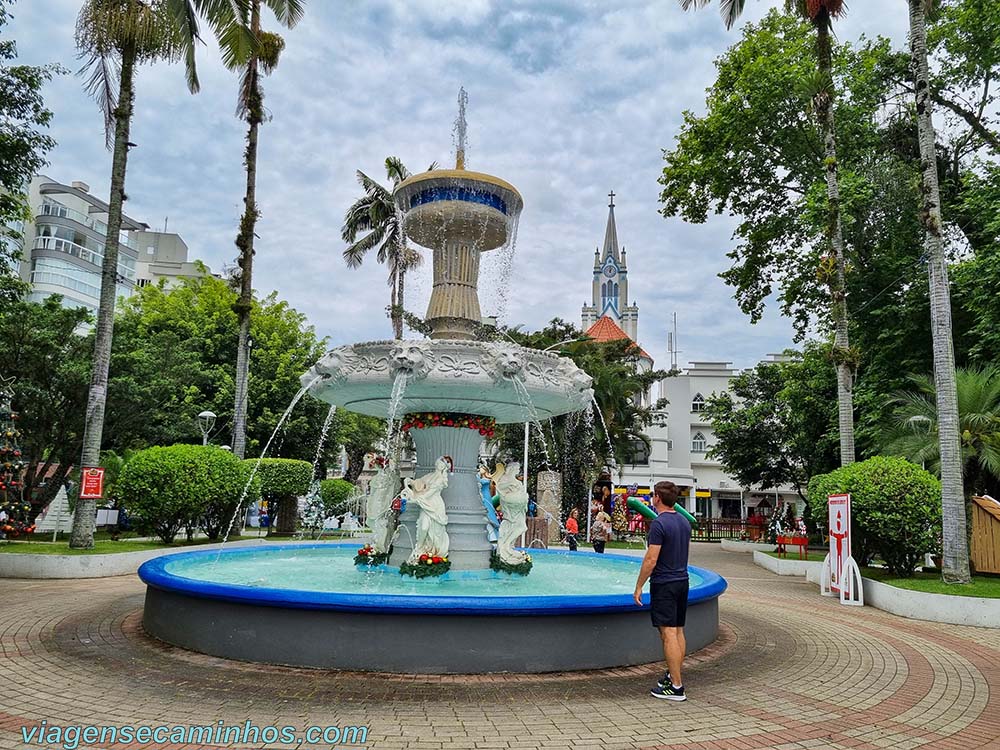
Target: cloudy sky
[(567, 100)]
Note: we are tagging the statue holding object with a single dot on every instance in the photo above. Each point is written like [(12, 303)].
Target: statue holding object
[(432, 525), (514, 505)]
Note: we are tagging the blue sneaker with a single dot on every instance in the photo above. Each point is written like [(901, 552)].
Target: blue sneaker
[(665, 680), (669, 693)]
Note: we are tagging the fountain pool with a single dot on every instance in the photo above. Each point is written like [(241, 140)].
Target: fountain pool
[(307, 605), (442, 599)]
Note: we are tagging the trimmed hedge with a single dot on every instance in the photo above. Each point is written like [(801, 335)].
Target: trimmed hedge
[(166, 488), (335, 494), (895, 510), (282, 477)]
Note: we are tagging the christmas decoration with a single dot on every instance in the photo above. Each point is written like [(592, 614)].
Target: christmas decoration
[(485, 425), (14, 509)]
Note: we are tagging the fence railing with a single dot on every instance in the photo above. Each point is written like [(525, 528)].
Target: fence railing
[(715, 529)]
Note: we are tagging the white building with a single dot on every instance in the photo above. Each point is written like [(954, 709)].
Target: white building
[(681, 436), (64, 247)]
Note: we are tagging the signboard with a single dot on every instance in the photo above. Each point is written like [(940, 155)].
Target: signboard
[(92, 484), (840, 537)]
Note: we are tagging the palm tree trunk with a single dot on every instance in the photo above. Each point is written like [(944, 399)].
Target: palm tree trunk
[(955, 552), (397, 323), (842, 355), (393, 289), (84, 514), (244, 242)]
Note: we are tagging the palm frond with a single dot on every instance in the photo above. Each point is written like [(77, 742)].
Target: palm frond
[(288, 12), (186, 20), (357, 219), (731, 11), (103, 72), (395, 170), (356, 251)]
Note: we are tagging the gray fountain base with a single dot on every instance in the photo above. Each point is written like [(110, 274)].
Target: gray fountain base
[(415, 643)]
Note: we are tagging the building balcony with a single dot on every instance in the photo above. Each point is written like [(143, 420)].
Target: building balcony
[(52, 208), (83, 253)]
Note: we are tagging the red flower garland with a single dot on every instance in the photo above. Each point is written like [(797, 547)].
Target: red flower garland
[(485, 425)]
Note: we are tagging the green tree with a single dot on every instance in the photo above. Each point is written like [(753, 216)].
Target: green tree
[(173, 358), (819, 85), (251, 60), (374, 216), (359, 434), (777, 424), (50, 364), (916, 427), (23, 145), (115, 37)]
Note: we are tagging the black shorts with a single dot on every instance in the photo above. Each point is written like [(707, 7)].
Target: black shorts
[(668, 603)]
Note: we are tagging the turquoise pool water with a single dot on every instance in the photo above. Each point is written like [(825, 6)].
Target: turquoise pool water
[(331, 569)]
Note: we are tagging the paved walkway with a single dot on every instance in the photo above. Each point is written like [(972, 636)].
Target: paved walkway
[(791, 670)]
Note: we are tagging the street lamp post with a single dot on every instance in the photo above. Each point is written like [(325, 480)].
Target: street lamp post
[(206, 421)]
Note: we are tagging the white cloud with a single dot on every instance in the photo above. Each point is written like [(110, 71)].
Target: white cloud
[(567, 100)]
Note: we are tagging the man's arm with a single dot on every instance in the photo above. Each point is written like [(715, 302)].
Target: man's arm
[(648, 563)]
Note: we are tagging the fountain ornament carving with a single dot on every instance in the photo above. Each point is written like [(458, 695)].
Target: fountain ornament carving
[(458, 215)]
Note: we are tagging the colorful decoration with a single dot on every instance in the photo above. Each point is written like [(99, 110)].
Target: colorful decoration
[(485, 425), (367, 555), (426, 566), (521, 569), (14, 511)]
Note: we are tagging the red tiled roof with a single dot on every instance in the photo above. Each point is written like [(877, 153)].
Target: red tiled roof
[(605, 329)]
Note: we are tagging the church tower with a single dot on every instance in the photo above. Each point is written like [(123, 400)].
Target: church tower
[(610, 285)]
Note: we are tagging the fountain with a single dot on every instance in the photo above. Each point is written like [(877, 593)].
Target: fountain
[(312, 605)]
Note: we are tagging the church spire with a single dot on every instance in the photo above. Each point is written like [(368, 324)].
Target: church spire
[(611, 233)]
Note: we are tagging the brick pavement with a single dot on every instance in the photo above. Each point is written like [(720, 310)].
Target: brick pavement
[(791, 671)]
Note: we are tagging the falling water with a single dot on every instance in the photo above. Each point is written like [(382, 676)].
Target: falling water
[(524, 398), (313, 492), (253, 473), (596, 409), (392, 433)]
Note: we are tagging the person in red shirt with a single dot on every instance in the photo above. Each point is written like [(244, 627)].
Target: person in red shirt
[(572, 529)]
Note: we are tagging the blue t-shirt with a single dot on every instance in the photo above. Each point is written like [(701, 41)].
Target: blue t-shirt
[(673, 533)]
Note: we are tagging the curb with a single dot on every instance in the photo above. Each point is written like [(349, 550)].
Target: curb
[(28, 565)]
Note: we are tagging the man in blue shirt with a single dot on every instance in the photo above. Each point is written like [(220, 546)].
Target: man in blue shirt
[(665, 567)]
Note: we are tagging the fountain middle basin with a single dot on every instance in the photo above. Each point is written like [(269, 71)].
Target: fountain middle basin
[(306, 605)]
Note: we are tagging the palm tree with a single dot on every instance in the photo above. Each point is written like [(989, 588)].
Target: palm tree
[(955, 551), (916, 433), (821, 14), (114, 37), (375, 215), (252, 57)]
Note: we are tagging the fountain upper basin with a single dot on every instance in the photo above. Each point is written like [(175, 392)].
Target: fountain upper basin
[(503, 381), (306, 605)]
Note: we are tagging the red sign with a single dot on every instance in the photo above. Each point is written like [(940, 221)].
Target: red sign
[(92, 484), (840, 536)]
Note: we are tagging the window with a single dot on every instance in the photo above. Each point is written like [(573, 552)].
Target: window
[(698, 443), (698, 403), (638, 454), (142, 282)]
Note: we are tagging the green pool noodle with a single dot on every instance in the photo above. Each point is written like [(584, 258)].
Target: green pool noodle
[(640, 507)]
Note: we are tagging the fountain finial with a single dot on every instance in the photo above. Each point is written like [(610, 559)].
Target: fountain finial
[(460, 129)]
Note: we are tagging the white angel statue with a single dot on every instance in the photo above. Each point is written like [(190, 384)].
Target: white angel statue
[(432, 524), (382, 491), (514, 504)]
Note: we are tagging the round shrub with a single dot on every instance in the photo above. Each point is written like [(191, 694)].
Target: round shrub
[(282, 481), (895, 510), (282, 477), (167, 488), (335, 493)]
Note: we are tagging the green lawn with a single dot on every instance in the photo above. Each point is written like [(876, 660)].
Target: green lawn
[(987, 587), (101, 547), (793, 554)]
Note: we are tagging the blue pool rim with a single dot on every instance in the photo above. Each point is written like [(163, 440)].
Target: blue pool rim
[(153, 573)]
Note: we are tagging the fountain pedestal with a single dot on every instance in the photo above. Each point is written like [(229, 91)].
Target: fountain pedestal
[(469, 548)]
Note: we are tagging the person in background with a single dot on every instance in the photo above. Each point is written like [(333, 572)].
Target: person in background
[(600, 530), (572, 529), (665, 566)]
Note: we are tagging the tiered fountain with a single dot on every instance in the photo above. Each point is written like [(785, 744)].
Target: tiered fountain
[(310, 605)]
